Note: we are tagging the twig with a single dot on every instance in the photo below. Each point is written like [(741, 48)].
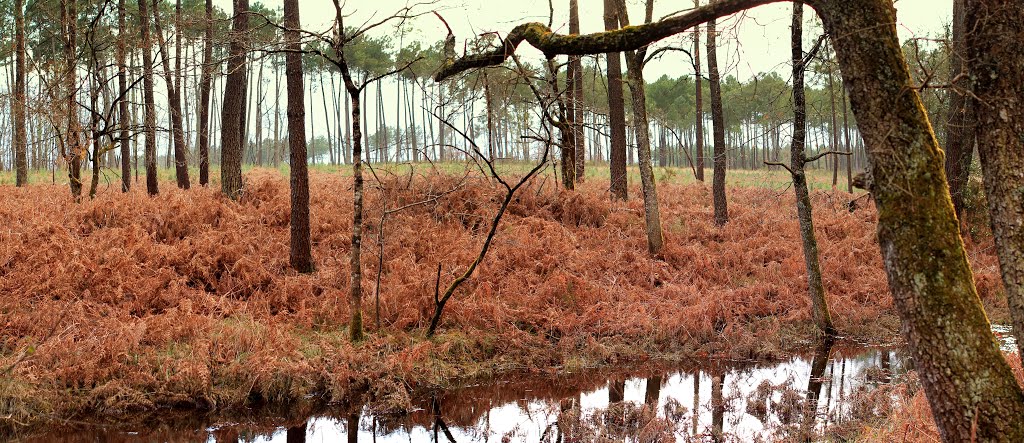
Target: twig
[(510, 190), (380, 238), (822, 154), (781, 164)]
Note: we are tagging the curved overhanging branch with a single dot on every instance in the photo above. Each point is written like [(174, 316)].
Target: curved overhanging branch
[(628, 38)]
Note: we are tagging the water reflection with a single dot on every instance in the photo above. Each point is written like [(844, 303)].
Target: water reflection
[(296, 434), (714, 401)]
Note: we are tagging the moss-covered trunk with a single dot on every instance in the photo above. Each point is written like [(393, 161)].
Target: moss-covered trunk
[(971, 389), (996, 58)]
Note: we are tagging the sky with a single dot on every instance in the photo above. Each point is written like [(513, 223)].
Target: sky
[(755, 41)]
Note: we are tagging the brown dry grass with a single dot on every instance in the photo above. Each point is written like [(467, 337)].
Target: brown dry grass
[(127, 303)]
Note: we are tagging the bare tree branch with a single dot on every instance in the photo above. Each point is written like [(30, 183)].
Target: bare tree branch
[(625, 39), (822, 154)]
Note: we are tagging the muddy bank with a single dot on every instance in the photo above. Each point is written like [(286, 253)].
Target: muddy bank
[(129, 304)]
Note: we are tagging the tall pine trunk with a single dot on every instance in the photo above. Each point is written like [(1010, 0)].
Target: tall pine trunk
[(699, 98), (846, 139), (18, 107), (204, 99), (300, 255), (152, 186), (575, 89), (122, 101), (835, 126), (718, 128), (233, 112), (960, 119), (616, 109), (73, 145), (171, 79)]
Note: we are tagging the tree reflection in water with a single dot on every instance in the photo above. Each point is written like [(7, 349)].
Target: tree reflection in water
[(800, 399)]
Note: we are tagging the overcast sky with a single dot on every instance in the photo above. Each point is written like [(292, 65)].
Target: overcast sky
[(756, 41)]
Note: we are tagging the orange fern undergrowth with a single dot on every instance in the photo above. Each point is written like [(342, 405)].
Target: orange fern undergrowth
[(128, 302)]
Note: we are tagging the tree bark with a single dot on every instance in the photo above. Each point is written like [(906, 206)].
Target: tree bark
[(616, 110), (122, 101), (327, 119), (641, 127), (232, 145), (718, 129), (997, 67), (815, 287), (74, 148), (575, 88), (204, 99), (565, 126), (300, 254), (18, 108), (276, 147), (960, 119), (846, 136), (835, 125), (171, 79), (355, 264), (699, 93), (152, 187), (96, 90)]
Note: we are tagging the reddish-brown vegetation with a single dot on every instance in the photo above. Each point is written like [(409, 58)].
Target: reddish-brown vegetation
[(128, 302)]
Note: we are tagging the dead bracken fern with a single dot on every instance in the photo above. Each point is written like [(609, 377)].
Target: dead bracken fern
[(187, 299)]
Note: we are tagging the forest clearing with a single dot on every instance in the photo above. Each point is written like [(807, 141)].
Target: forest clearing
[(469, 221)]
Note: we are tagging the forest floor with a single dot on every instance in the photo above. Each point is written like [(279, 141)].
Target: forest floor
[(125, 304)]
